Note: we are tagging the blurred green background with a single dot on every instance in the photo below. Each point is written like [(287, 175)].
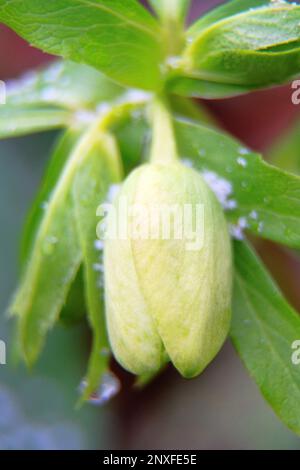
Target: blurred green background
[(221, 409)]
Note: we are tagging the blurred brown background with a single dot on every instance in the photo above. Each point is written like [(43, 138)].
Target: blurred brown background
[(222, 409)]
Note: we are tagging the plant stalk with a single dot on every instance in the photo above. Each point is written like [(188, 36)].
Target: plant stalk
[(163, 147)]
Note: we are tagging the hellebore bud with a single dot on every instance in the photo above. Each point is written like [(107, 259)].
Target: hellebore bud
[(168, 297)]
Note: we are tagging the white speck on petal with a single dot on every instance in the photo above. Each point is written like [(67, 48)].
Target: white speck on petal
[(173, 62), (281, 2), (49, 94), (231, 204), (242, 161), (237, 231), (26, 80), (99, 245), (108, 388), (84, 117), (221, 187), (98, 267), (44, 205), (243, 151), (112, 192), (134, 96), (254, 215), (53, 72), (260, 227), (187, 162), (103, 108), (52, 239), (105, 352)]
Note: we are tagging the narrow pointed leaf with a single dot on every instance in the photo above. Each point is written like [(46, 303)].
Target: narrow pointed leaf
[(222, 12), (256, 195), (131, 136), (117, 37), (74, 309), (196, 88), (237, 47), (62, 152), (258, 47), (264, 328), (54, 261), (93, 179), (18, 121), (43, 99), (61, 84)]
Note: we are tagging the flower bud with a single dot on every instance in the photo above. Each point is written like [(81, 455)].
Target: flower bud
[(168, 292)]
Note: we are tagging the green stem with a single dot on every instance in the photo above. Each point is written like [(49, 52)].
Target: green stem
[(163, 148), (173, 26), (174, 38)]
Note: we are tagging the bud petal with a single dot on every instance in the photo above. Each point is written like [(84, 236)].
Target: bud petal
[(132, 332), (164, 293)]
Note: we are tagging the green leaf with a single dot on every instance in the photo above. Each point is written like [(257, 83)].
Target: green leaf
[(35, 100), (133, 132), (258, 47), (62, 152), (173, 9), (285, 152), (131, 137), (249, 69), (222, 12), (54, 260), (74, 309), (16, 121), (117, 37), (93, 179), (187, 109), (236, 48), (195, 88), (62, 84), (263, 330), (257, 195)]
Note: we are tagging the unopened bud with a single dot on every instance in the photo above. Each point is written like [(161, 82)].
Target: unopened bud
[(168, 292)]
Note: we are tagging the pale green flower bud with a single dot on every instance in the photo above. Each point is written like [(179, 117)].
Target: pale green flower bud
[(166, 298)]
